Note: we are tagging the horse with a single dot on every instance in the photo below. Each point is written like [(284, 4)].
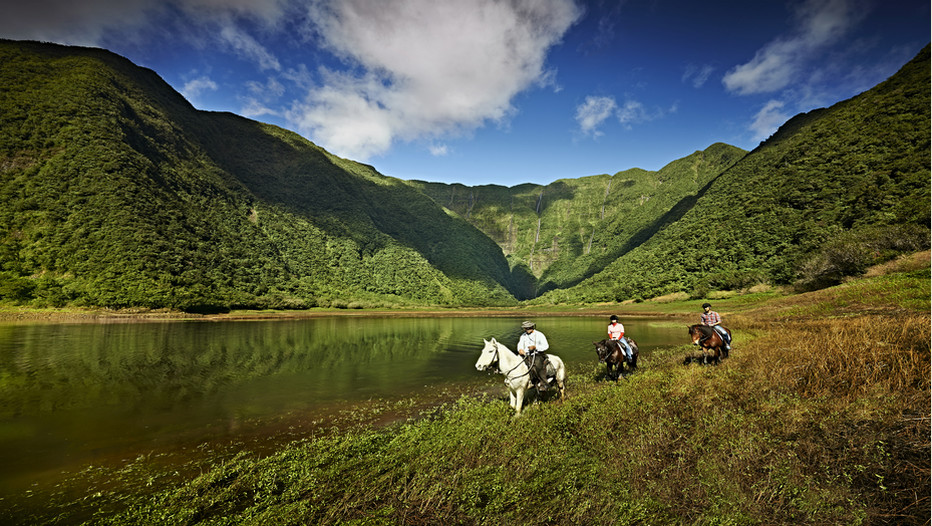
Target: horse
[(517, 375), (611, 353), (709, 340)]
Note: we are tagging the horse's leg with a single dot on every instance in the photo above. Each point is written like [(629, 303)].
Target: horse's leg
[(511, 398), (519, 401)]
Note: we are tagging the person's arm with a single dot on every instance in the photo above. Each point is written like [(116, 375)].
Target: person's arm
[(542, 344)]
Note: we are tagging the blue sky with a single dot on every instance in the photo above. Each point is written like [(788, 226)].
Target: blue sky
[(501, 92)]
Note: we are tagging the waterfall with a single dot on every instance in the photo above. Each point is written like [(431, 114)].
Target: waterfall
[(540, 198), (604, 198)]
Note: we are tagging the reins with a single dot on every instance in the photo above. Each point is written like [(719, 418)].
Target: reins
[(506, 373)]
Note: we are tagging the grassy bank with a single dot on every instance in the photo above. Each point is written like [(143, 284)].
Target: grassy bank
[(821, 416)]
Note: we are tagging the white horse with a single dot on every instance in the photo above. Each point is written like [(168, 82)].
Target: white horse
[(517, 376)]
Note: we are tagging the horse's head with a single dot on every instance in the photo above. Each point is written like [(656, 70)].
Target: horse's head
[(601, 348), (488, 356), (698, 332)]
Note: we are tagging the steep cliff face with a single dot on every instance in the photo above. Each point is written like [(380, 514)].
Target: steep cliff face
[(569, 230)]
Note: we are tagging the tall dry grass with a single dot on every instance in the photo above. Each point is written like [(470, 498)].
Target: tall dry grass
[(846, 357)]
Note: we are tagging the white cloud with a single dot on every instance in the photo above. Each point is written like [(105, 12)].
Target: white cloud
[(819, 23), (591, 113), (768, 119), (424, 68), (271, 89), (632, 111), (68, 22), (697, 75), (596, 110), (439, 150), (254, 109), (193, 88), (247, 47), (90, 22)]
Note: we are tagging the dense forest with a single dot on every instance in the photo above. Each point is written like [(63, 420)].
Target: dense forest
[(118, 193)]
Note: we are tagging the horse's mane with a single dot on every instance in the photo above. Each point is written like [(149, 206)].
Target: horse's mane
[(704, 329)]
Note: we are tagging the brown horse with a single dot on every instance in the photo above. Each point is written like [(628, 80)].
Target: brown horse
[(613, 355), (710, 341)]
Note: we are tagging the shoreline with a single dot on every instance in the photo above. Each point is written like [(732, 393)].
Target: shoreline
[(31, 315)]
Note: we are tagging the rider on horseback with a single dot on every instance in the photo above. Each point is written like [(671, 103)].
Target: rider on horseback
[(616, 331), (712, 319), (532, 345)]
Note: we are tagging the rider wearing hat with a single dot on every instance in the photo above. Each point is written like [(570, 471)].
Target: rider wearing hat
[(616, 331), (713, 319), (532, 345)]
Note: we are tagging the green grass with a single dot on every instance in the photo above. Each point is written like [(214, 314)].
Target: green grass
[(802, 425)]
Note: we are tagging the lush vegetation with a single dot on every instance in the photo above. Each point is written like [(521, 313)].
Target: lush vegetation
[(571, 229), (820, 416), (118, 193), (830, 193)]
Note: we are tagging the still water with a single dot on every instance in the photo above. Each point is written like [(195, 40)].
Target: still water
[(73, 394)]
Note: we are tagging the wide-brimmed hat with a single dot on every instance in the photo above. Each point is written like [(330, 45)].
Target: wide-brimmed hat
[(528, 325)]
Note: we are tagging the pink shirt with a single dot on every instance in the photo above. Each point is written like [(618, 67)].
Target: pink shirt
[(616, 331)]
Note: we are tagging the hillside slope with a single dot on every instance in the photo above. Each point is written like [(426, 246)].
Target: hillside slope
[(118, 193), (571, 229), (830, 193)]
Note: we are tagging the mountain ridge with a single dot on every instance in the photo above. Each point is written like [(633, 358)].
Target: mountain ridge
[(119, 193)]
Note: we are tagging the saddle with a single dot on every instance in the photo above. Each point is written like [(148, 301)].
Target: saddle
[(621, 347), (722, 333)]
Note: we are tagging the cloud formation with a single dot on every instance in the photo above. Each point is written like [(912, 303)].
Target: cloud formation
[(596, 110), (819, 23), (697, 75), (424, 68), (90, 22), (193, 88), (591, 113), (768, 119)]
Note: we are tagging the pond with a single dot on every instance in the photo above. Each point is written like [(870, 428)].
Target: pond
[(73, 395)]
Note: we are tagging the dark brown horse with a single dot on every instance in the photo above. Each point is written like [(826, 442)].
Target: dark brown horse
[(613, 355), (710, 341)]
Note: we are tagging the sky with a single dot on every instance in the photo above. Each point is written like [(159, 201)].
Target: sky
[(501, 91)]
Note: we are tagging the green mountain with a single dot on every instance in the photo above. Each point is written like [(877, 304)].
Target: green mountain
[(118, 193), (830, 193), (571, 229)]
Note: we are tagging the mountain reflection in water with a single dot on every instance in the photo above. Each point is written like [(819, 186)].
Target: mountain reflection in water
[(72, 394)]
